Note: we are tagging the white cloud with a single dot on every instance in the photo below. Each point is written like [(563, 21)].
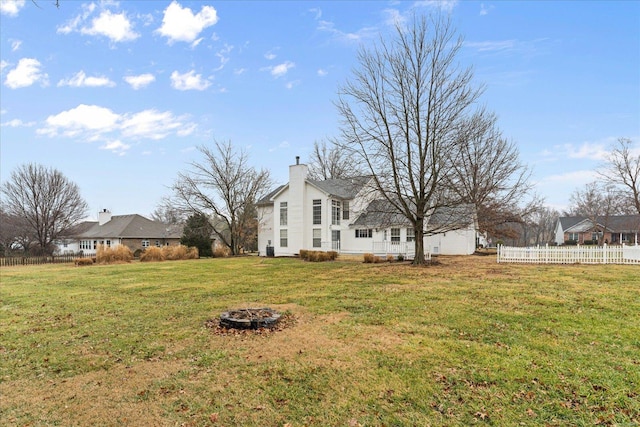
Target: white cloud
[(492, 46), (17, 123), (322, 72), (223, 55), (80, 79), (317, 12), (239, 71), (95, 123), (11, 7), (292, 84), (587, 150), (281, 69), (181, 24), (115, 26), (349, 37), (116, 147), (15, 45), (84, 119), (444, 5), (189, 81), (26, 73), (270, 56), (150, 124), (140, 81), (3, 64), (484, 10)]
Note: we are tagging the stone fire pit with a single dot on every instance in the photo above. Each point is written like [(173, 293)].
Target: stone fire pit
[(249, 318)]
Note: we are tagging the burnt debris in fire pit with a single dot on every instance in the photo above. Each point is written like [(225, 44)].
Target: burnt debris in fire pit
[(249, 318)]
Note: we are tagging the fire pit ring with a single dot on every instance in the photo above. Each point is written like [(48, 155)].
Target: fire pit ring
[(249, 318)]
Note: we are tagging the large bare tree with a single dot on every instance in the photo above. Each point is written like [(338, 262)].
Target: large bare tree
[(622, 170), (46, 200), (401, 113), (486, 172), (224, 187), (329, 161)]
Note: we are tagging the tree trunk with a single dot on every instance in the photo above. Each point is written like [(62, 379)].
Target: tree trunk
[(418, 258)]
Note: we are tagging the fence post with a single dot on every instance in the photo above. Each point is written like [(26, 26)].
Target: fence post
[(604, 253)]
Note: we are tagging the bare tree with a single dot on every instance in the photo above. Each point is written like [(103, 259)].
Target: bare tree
[(167, 213), (622, 170), (330, 162), (225, 188), (400, 115), (486, 172), (48, 202)]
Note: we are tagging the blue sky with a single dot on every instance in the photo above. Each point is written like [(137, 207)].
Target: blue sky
[(118, 95)]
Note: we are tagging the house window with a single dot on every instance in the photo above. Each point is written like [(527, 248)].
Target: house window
[(95, 245), (108, 243), (411, 235), (145, 243), (317, 212), (317, 238), (574, 236), (364, 233), (283, 213), (284, 241), (335, 212), (395, 234), (345, 210), (157, 243), (596, 235)]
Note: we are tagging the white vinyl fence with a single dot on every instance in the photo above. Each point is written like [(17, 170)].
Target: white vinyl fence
[(406, 249), (570, 254)]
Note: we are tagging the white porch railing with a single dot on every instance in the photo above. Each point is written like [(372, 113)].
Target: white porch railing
[(406, 249), (570, 254)]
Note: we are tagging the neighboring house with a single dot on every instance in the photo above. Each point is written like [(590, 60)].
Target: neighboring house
[(133, 231), (612, 230), (345, 215)]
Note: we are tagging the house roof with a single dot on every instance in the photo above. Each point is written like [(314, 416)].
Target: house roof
[(129, 226), (339, 188), (381, 213), (616, 224), (342, 188)]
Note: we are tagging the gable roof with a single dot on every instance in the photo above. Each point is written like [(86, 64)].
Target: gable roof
[(616, 223), (344, 189), (380, 213), (129, 226)]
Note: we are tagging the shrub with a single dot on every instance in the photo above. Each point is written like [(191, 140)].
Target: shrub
[(109, 255), (333, 255), (192, 253), (304, 254), (221, 252), (390, 258), (175, 252), (312, 256), (138, 253), (368, 258), (400, 257), (152, 254), (83, 261)]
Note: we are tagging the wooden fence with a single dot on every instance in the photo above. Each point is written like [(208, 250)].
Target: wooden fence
[(570, 254), (36, 260)]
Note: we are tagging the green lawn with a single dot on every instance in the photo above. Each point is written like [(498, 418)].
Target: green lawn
[(463, 342)]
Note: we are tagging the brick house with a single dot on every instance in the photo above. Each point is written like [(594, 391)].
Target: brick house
[(618, 229), (134, 231)]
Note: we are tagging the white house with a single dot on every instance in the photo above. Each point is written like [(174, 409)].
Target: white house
[(344, 215)]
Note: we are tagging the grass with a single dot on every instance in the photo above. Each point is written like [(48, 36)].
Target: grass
[(464, 342)]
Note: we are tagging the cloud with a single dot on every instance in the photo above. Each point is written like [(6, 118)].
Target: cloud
[(15, 45), (80, 79), (3, 64), (11, 7), (270, 55), (17, 123), (349, 37), (586, 150), (116, 147), (95, 123), (223, 55), (280, 69), (444, 5), (317, 12), (150, 124), (26, 73), (140, 81), (322, 72), (117, 27), (84, 119), (492, 46), (239, 71), (292, 84), (189, 81), (484, 10), (181, 24)]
